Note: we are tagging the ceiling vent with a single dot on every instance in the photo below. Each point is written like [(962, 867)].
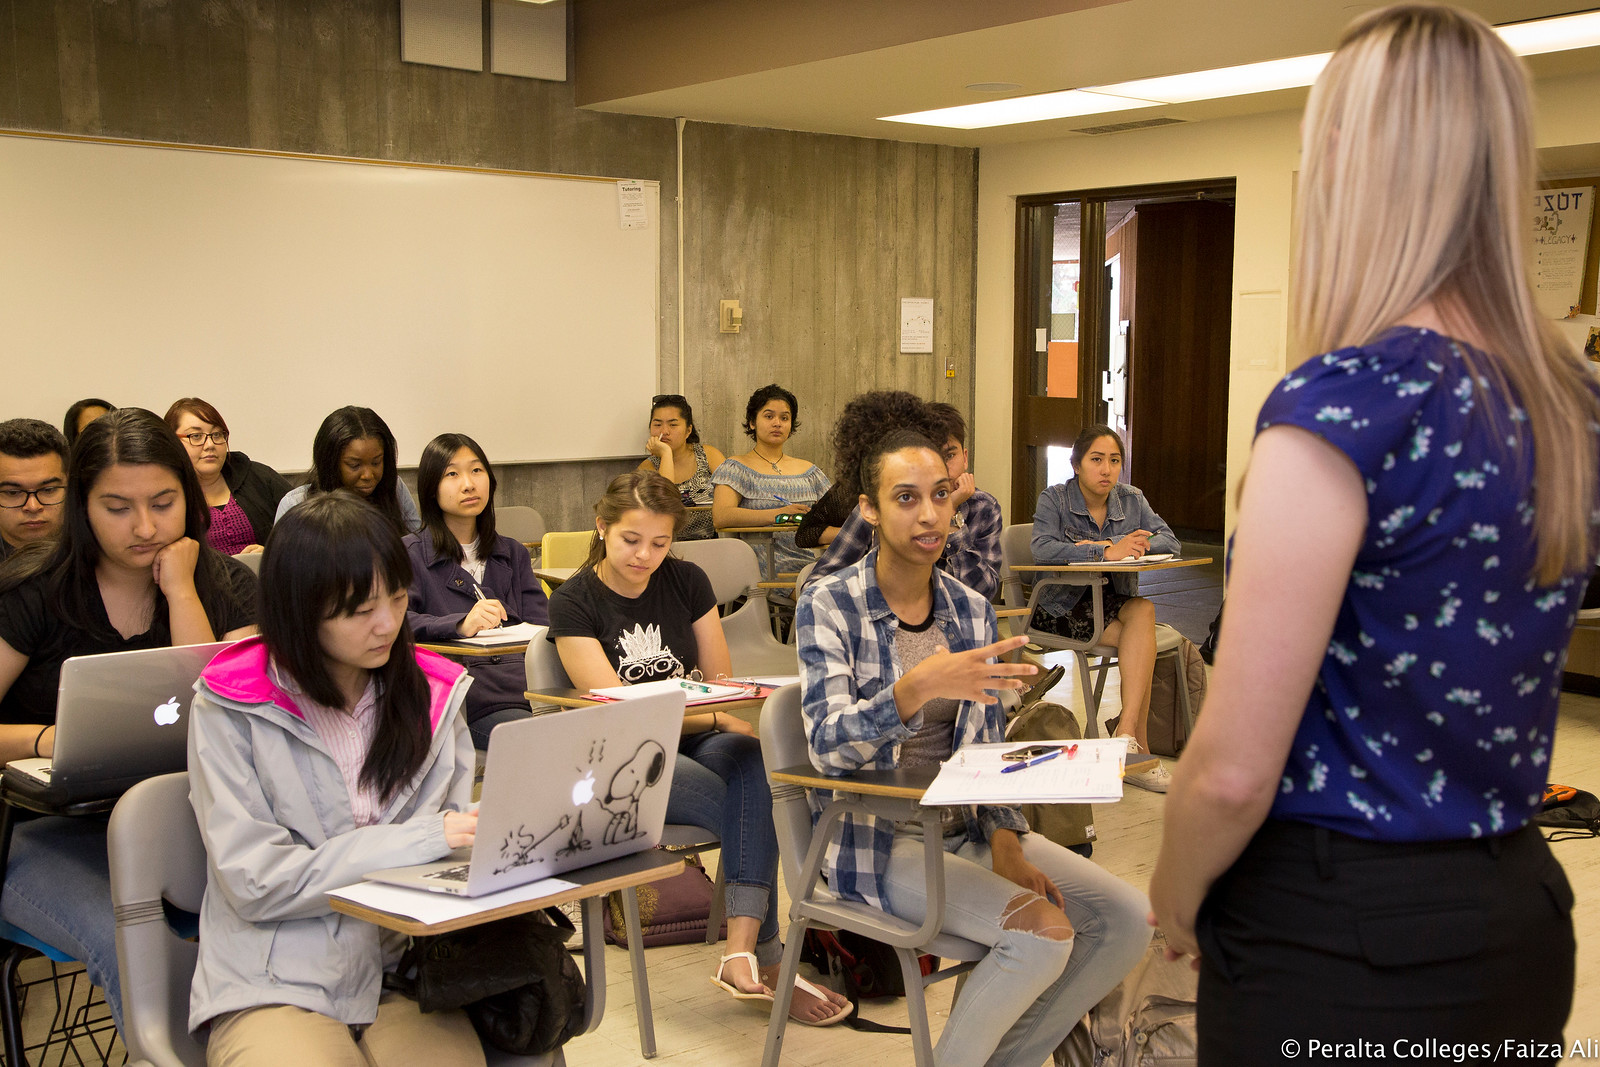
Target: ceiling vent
[(1122, 127)]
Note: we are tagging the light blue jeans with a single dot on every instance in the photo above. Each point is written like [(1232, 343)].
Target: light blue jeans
[(719, 783), (1020, 1001), (58, 888)]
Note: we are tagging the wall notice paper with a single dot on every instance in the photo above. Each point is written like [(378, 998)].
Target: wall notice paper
[(517, 633), (631, 206), (1561, 220), (426, 907), (916, 324), (1092, 774)]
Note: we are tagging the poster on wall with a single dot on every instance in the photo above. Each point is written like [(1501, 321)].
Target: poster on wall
[(1561, 220), (916, 324)]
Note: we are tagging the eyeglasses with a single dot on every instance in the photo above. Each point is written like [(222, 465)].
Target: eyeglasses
[(197, 438), (48, 497)]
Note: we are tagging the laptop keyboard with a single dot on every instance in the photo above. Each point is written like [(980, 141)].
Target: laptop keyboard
[(452, 874)]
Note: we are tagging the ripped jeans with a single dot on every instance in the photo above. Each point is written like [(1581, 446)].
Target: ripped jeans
[(1020, 1001)]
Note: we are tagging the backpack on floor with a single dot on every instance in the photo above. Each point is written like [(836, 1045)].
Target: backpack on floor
[(1569, 812), (1147, 1021), (1069, 825), (861, 969), (1167, 728)]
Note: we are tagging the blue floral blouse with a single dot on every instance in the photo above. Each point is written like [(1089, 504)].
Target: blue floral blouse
[(1433, 712)]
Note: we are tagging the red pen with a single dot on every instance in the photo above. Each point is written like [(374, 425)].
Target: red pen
[(1071, 750)]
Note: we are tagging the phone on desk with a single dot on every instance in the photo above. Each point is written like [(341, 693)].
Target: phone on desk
[(1028, 752)]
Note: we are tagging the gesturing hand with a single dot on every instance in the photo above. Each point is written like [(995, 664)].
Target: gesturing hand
[(961, 676)]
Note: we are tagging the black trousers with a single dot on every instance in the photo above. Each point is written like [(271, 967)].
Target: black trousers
[(1316, 945)]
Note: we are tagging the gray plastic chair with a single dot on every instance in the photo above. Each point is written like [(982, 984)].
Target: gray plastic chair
[(520, 523), (1016, 550), (802, 850), (732, 566), (251, 560), (156, 854), (546, 672)]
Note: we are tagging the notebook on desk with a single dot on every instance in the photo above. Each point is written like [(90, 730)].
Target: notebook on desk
[(563, 791), (121, 717)]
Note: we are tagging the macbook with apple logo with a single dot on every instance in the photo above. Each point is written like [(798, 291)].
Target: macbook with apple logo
[(121, 717), (561, 791)]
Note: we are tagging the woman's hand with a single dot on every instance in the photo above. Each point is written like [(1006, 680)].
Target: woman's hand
[(460, 828), (657, 447), (173, 568), (1133, 546), (250, 550), (485, 615), (791, 509), (961, 676), (731, 724), (1006, 852)]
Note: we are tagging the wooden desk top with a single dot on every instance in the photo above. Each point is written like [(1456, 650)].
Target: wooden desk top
[(555, 575), (1112, 568), (768, 529), (580, 698), (598, 880), (450, 648), (902, 783)]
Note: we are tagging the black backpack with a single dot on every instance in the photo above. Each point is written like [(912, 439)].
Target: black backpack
[(1569, 812)]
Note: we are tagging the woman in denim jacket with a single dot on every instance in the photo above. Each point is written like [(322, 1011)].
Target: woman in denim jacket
[(1097, 517)]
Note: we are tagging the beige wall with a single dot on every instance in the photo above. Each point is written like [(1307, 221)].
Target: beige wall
[(1262, 153)]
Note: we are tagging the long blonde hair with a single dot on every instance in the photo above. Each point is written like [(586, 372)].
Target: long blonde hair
[(1417, 167)]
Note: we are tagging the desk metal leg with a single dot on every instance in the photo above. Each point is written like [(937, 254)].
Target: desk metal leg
[(594, 962), (641, 982)]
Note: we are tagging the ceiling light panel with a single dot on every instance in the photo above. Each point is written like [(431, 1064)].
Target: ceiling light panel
[(1039, 108)]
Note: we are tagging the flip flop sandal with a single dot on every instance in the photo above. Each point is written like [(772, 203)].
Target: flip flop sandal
[(739, 994), (840, 1013)]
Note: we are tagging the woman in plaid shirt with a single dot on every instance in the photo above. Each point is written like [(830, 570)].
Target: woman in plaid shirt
[(898, 664)]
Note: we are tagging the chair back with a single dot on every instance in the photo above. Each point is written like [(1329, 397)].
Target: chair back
[(565, 548), (1016, 550), (784, 744), (156, 854), (543, 664), (251, 560), (519, 522), (730, 563), (801, 579)]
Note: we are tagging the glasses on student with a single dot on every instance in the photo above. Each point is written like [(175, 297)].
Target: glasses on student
[(197, 438), (49, 496), (667, 400)]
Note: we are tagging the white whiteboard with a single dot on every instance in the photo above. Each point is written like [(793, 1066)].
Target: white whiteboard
[(510, 307)]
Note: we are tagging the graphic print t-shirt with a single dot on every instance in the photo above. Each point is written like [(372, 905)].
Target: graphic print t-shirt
[(648, 638)]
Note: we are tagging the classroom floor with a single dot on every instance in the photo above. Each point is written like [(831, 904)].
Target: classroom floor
[(697, 1024)]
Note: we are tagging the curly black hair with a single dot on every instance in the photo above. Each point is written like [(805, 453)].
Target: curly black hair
[(871, 416), (759, 400)]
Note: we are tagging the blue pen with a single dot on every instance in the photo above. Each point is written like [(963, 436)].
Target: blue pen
[(1031, 763)]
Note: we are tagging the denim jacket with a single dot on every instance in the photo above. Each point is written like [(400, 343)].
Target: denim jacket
[(1061, 520)]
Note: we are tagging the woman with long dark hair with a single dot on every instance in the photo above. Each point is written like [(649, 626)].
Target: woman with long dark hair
[(131, 570), (335, 698), (679, 456), (755, 488), (466, 578), (1347, 845), (354, 450)]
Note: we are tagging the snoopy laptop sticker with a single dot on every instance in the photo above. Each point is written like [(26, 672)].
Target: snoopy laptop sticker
[(121, 717), (563, 791)]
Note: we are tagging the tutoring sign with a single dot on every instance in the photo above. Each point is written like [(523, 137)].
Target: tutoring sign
[(1560, 245)]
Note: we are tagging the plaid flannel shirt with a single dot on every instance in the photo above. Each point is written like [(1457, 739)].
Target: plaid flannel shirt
[(971, 554), (848, 667)]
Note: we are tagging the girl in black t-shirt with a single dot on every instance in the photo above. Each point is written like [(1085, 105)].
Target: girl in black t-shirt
[(131, 570), (635, 614)]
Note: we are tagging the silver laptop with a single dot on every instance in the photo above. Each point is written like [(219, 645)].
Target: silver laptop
[(121, 717), (562, 791)]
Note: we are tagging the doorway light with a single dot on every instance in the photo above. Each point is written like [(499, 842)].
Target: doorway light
[(1559, 34)]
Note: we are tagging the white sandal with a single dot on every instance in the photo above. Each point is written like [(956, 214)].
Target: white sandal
[(755, 971), (840, 1014)]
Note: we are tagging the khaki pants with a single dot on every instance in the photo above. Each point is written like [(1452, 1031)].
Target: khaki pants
[(401, 1036)]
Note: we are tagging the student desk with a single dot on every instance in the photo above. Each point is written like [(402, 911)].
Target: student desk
[(451, 648), (592, 884), (769, 532), (554, 576), (580, 698), (1101, 567), (897, 784)]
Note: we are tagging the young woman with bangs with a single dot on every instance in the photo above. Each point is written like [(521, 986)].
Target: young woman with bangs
[(130, 570), (466, 578), (1347, 845), (334, 698)]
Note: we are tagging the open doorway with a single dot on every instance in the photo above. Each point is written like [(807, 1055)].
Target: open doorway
[(1124, 308)]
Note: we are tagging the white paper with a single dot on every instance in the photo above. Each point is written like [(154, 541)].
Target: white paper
[(430, 908), (975, 775), (916, 324), (1154, 557), (694, 692), (776, 681), (632, 209), (520, 633)]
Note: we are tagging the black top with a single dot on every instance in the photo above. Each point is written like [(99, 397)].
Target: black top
[(30, 624), (833, 508), (257, 488), (646, 639)]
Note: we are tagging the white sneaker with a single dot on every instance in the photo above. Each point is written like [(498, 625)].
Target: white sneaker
[(1147, 772)]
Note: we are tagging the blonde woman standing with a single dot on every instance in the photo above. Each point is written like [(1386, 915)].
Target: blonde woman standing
[(1347, 845)]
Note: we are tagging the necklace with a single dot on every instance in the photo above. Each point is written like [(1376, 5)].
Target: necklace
[(773, 463)]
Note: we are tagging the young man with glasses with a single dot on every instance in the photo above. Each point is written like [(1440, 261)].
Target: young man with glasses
[(33, 483)]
